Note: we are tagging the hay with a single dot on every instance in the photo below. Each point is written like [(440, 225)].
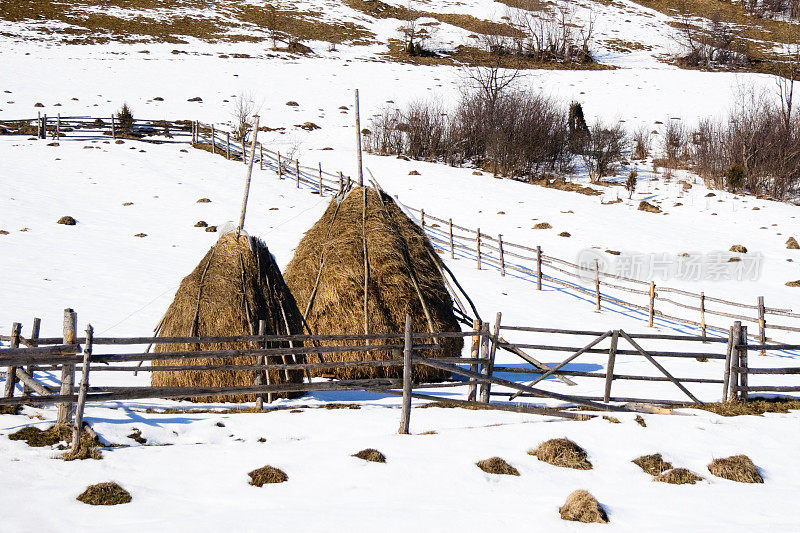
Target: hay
[(496, 465), (678, 476), (267, 474), (326, 275), (9, 409), (108, 493), (736, 468), (581, 506), (38, 438), (67, 221), (652, 464), (235, 285), (542, 225), (792, 244), (562, 452), (738, 248), (371, 454), (650, 208)]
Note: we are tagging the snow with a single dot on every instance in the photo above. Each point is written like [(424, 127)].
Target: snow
[(191, 474)]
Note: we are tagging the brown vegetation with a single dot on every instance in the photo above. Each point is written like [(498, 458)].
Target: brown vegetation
[(581, 506), (562, 452), (496, 465), (678, 476), (108, 493), (267, 474), (371, 454), (736, 468), (652, 464)]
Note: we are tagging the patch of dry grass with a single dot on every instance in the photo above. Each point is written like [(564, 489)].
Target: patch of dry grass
[(581, 506), (108, 493), (678, 476), (267, 474), (653, 464), (736, 468), (497, 465), (750, 407), (371, 454), (562, 452)]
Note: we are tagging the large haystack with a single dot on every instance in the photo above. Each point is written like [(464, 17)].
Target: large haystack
[(403, 276), (235, 285)]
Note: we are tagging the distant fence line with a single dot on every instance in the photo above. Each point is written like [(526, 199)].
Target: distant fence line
[(488, 251)]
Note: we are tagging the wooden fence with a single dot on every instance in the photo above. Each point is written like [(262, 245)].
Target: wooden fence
[(652, 302)]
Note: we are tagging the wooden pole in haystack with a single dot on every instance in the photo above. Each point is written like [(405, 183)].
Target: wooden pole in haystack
[(11, 378), (68, 369), (249, 174), (358, 141), (405, 417), (83, 390)]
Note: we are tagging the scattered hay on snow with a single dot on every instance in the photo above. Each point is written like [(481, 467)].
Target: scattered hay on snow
[(795, 283), (67, 221), (653, 464), (678, 476), (267, 474), (371, 454), (562, 452), (496, 465), (581, 506), (108, 493), (542, 225), (736, 468), (650, 208), (738, 248), (37, 438)]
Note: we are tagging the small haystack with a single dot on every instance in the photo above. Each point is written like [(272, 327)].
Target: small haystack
[(562, 452), (581, 506), (736, 468), (108, 493), (365, 236), (678, 476), (652, 464), (497, 465), (267, 474), (235, 285), (371, 454)]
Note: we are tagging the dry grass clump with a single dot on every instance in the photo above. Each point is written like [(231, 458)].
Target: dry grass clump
[(108, 493), (136, 435), (327, 276), (9, 409), (371, 454), (751, 407), (562, 452), (678, 476), (795, 283), (497, 465), (83, 452), (67, 221), (37, 438), (542, 225), (736, 468), (267, 474), (650, 208), (653, 464), (581, 506), (738, 248), (792, 244), (236, 284)]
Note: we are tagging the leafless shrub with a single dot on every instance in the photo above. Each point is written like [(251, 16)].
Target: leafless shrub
[(716, 46), (553, 35), (243, 109), (602, 149), (642, 142)]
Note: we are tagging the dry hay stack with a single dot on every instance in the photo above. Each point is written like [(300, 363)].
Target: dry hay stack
[(737, 468), (235, 285), (678, 476), (562, 452), (581, 506), (497, 465), (652, 464), (371, 454), (327, 277), (267, 474)]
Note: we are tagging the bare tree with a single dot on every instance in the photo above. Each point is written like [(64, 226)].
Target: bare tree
[(243, 109), (602, 150)]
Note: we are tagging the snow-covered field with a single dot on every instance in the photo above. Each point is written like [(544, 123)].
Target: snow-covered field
[(191, 474)]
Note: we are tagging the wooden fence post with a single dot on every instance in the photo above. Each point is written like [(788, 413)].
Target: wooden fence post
[(733, 334), (260, 156), (597, 284), (113, 127), (478, 247), (44, 126), (280, 167), (486, 388), (452, 247), (762, 324), (474, 353), (502, 256), (297, 173), (58, 127), (262, 329), (39, 124), (703, 314), (651, 309), (743, 366), (358, 140), (213, 140), (83, 390), (484, 353), (321, 190), (228, 144), (405, 417), (612, 358), (11, 378), (422, 218), (68, 369), (246, 194), (341, 182), (538, 268), (34, 338)]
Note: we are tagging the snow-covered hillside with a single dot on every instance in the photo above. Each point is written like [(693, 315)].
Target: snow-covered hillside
[(191, 474)]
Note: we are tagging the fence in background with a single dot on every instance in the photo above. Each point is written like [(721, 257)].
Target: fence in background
[(665, 303)]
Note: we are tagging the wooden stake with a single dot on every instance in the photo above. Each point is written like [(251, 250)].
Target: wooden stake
[(472, 392), (597, 284), (732, 337), (113, 127), (280, 167), (489, 366), (249, 174), (58, 127), (321, 190), (502, 257), (260, 157), (762, 323), (228, 144), (478, 247), (262, 330), (538, 268), (68, 369), (358, 141), (39, 124), (83, 390), (651, 309), (422, 218), (11, 378), (213, 140), (44, 126), (34, 338), (297, 173), (703, 314), (743, 367), (405, 417), (452, 247), (612, 357)]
